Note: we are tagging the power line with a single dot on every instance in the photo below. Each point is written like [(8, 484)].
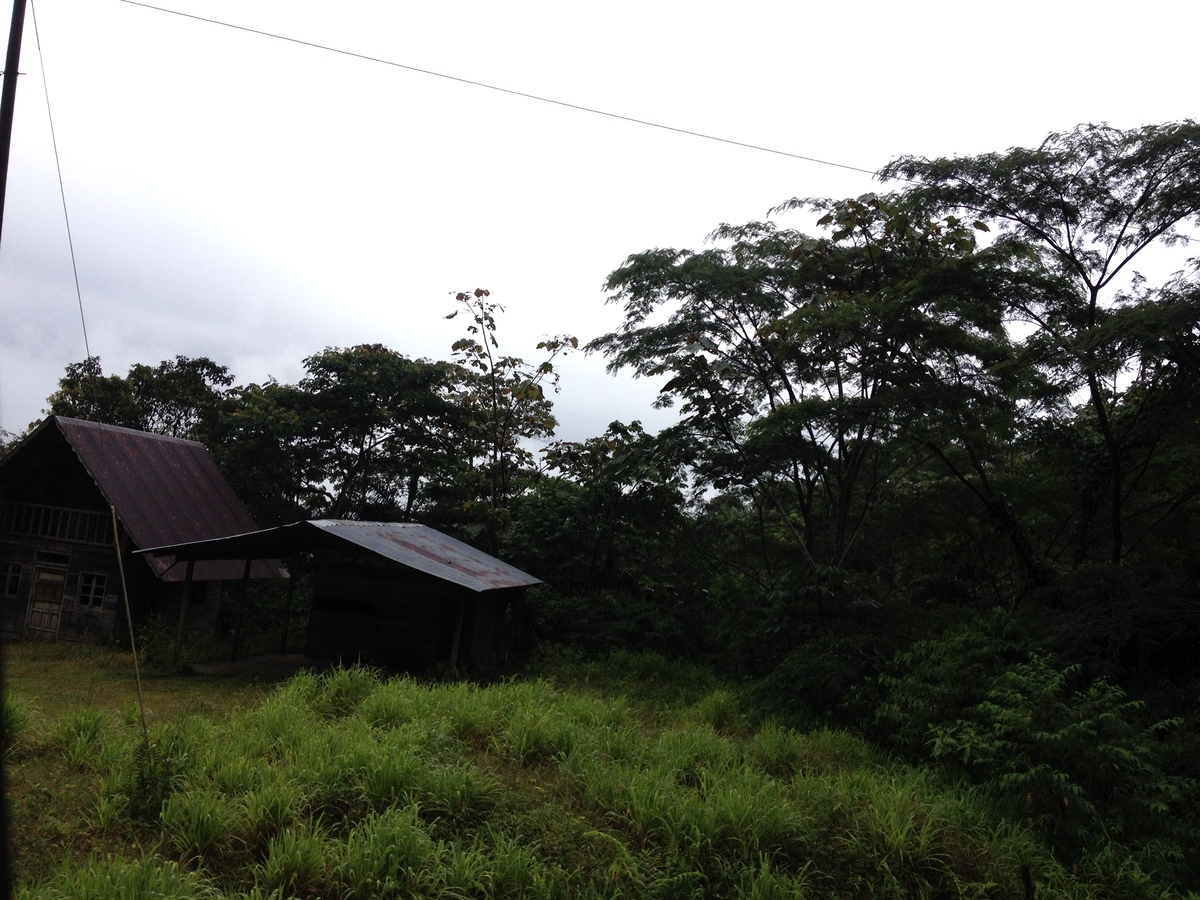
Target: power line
[(61, 190), (503, 90)]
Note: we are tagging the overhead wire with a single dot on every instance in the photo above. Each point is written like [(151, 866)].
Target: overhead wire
[(58, 169), (503, 90), (524, 94), (137, 674)]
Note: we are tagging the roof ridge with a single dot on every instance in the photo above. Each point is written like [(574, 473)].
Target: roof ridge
[(142, 435)]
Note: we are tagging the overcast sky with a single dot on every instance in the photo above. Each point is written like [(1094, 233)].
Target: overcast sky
[(255, 200)]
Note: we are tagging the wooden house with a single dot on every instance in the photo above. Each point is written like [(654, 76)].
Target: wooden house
[(77, 499)]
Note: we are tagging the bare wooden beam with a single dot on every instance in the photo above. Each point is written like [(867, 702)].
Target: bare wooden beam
[(241, 606), (183, 611)]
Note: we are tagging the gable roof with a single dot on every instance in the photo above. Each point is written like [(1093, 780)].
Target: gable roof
[(165, 490), (417, 547)]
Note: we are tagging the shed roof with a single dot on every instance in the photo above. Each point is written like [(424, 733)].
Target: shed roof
[(165, 490), (417, 547)]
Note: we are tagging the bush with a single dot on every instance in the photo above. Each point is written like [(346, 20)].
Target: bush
[(150, 774), (934, 682), (1069, 759), (1074, 764), (816, 680)]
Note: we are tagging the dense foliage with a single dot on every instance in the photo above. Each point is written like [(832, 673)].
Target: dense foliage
[(935, 475)]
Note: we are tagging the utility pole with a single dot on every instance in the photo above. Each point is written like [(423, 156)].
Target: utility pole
[(8, 96)]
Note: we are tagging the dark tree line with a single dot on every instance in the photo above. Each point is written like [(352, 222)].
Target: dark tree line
[(942, 397), (367, 433)]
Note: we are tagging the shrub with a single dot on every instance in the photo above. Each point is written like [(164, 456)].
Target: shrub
[(1074, 764), (143, 780), (1070, 759), (934, 681), (817, 680)]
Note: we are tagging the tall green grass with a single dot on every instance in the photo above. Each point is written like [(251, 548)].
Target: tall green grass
[(349, 784)]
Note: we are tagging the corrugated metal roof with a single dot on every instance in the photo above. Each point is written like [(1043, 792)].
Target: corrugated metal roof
[(166, 491), (417, 547)]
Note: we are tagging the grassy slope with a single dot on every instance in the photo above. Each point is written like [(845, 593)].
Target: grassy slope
[(633, 779), (55, 682)]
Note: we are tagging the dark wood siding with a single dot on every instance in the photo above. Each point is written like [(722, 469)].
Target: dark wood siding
[(399, 620), (46, 563)]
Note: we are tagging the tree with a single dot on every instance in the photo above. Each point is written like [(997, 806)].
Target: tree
[(799, 360), (379, 428), (505, 406), (85, 392), (605, 528), (8, 440), (260, 447), (1084, 205), (627, 498), (179, 398)]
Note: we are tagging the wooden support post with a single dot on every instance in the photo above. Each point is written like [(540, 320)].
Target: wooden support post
[(458, 627), (241, 606), (183, 611), (287, 610)]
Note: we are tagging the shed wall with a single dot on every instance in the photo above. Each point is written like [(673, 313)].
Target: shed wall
[(398, 620)]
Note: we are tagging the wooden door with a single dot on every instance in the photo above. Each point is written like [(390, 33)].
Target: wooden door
[(45, 605)]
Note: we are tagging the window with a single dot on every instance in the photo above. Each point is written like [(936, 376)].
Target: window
[(56, 522), (91, 588), (10, 579)]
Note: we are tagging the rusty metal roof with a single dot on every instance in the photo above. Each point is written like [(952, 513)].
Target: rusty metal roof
[(417, 547), (165, 490)]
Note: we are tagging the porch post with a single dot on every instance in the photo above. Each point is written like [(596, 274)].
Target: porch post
[(241, 606), (183, 611), (458, 626), (287, 610)]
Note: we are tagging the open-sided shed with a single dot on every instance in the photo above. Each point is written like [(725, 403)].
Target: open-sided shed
[(395, 594)]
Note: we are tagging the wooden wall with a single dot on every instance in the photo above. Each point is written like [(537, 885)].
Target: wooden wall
[(400, 619)]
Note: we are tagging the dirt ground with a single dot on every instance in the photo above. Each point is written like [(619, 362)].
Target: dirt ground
[(273, 666)]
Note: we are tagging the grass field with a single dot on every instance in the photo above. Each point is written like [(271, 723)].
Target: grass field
[(628, 778)]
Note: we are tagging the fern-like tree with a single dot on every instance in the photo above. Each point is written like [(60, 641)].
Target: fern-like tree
[(813, 371), (504, 403), (1084, 207)]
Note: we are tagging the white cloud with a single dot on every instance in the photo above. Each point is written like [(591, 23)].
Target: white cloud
[(254, 201)]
